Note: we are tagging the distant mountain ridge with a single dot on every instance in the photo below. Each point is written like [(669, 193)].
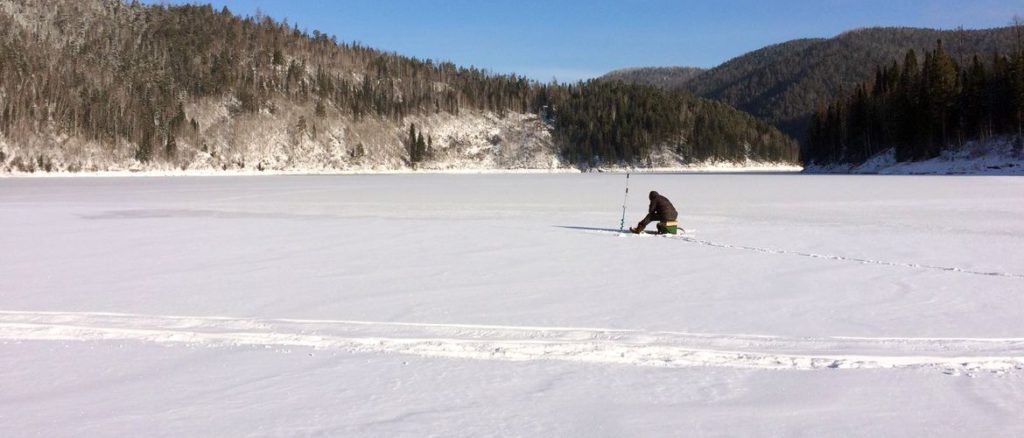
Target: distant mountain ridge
[(784, 83)]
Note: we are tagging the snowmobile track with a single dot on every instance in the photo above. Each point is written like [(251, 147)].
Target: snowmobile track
[(690, 239), (851, 259), (493, 342)]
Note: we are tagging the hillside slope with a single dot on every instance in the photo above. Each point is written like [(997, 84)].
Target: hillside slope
[(664, 77), (103, 84), (785, 83)]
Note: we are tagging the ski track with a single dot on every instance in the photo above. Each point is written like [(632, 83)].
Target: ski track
[(493, 342), (822, 256)]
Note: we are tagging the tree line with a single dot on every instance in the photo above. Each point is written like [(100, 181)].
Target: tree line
[(602, 122), (921, 108)]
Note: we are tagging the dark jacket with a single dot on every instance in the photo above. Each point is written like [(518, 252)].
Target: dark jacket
[(661, 208)]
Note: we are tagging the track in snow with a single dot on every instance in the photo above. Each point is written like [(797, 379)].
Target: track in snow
[(691, 239), (484, 342)]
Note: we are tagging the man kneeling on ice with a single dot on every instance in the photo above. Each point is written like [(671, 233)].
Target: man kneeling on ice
[(661, 210)]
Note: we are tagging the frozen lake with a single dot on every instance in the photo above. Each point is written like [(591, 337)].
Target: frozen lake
[(507, 304)]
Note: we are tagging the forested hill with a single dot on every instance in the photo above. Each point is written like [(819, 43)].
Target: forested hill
[(662, 77), (99, 84), (785, 83)]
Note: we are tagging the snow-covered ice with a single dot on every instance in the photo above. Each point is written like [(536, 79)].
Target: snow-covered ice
[(473, 305)]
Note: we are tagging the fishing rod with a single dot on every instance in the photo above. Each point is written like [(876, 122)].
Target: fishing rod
[(622, 222)]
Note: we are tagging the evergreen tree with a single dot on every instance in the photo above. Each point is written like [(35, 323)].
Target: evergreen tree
[(1016, 98), (941, 95), (1017, 82), (413, 155), (421, 147), (975, 102)]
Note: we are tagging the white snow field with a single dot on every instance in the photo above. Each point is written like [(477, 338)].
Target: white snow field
[(480, 305)]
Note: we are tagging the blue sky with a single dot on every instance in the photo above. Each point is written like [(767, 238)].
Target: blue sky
[(575, 39)]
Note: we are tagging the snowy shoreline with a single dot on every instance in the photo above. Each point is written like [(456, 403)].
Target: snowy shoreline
[(993, 158), (302, 172)]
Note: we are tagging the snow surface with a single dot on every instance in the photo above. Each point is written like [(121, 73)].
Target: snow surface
[(468, 305)]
